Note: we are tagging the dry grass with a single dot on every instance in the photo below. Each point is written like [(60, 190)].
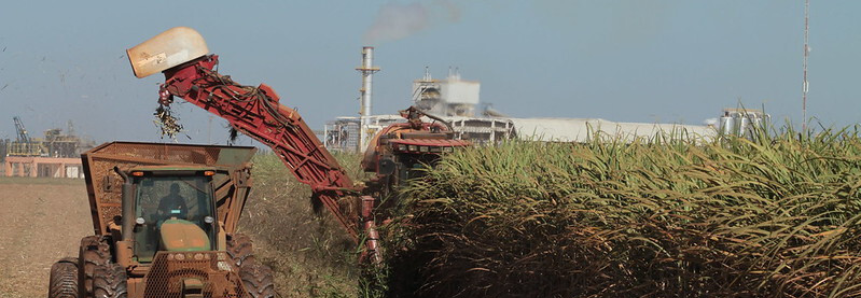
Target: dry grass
[(776, 217), (311, 254)]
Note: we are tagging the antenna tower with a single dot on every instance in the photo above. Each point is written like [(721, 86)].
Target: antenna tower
[(806, 53)]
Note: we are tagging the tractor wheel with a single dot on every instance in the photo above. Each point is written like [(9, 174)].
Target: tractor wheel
[(64, 279), (110, 281), (258, 280), (93, 253), (240, 250)]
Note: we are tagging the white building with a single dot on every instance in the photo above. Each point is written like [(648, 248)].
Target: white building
[(582, 130)]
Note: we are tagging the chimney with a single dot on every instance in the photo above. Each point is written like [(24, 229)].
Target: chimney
[(367, 69)]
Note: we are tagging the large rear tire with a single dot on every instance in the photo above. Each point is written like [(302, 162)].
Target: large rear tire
[(93, 253), (258, 280), (64, 279), (110, 282), (240, 250)]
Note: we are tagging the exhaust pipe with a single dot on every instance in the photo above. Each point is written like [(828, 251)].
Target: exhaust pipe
[(128, 206)]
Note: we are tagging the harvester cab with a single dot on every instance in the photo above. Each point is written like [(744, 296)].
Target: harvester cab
[(400, 152)]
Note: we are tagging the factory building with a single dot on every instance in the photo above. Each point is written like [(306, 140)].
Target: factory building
[(457, 102), (453, 100), (449, 97), (490, 126), (584, 130), (56, 155)]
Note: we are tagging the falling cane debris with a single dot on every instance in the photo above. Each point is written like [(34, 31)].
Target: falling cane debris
[(165, 121)]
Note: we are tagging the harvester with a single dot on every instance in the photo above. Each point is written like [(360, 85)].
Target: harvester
[(395, 154), (164, 222)]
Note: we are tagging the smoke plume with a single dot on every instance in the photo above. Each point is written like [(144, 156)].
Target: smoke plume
[(397, 21)]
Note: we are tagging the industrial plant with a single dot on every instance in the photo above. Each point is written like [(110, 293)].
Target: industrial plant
[(56, 155), (456, 102)]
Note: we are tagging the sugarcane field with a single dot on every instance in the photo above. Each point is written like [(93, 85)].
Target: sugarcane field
[(539, 149)]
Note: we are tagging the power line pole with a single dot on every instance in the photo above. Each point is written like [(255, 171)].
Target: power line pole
[(806, 53)]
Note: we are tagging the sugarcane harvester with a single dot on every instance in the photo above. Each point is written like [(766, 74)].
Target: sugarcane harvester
[(191, 74)]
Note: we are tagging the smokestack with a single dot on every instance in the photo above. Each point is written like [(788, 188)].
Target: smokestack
[(368, 69)]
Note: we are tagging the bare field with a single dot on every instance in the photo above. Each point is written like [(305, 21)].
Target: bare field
[(41, 221)]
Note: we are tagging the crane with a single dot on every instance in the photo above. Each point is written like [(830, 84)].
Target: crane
[(23, 137), (23, 146)]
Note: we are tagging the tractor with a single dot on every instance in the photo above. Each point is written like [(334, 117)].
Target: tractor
[(164, 220)]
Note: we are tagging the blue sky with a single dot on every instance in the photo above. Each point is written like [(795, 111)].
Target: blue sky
[(644, 61)]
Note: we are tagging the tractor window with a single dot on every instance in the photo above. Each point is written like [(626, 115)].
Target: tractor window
[(186, 198)]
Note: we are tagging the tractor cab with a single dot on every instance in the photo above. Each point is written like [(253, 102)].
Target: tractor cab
[(174, 211)]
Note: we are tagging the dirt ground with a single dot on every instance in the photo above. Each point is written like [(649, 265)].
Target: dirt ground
[(41, 221)]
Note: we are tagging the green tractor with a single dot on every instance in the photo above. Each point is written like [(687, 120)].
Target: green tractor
[(164, 217)]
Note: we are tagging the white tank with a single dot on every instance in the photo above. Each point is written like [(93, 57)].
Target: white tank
[(727, 124)]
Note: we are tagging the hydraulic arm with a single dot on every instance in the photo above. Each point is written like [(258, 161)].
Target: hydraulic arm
[(256, 111)]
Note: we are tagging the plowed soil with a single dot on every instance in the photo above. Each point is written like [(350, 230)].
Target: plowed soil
[(41, 221)]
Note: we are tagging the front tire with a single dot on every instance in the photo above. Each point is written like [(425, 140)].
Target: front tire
[(258, 281), (110, 282), (64, 279), (94, 253), (240, 250)]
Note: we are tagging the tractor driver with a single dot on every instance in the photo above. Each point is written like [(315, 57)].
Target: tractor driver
[(172, 205)]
